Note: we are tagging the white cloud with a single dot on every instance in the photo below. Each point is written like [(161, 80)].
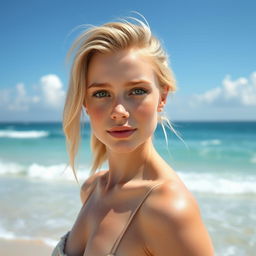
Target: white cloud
[(4, 97), (20, 101), (233, 100), (237, 92), (52, 90), (49, 93)]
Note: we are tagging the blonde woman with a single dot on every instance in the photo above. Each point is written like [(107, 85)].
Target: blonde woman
[(139, 206)]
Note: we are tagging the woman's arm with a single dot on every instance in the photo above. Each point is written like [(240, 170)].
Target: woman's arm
[(172, 225), (76, 240)]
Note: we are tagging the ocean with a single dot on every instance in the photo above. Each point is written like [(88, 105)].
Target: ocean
[(216, 160)]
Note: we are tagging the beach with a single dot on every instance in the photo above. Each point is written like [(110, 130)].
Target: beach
[(24, 248), (40, 197)]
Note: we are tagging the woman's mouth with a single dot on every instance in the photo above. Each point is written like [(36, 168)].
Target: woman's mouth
[(122, 133)]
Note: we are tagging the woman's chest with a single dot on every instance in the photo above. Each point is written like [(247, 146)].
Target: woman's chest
[(113, 228)]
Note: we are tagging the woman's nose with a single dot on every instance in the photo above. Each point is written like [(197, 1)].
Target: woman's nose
[(119, 112)]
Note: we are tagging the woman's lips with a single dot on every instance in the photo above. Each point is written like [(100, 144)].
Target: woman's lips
[(121, 134)]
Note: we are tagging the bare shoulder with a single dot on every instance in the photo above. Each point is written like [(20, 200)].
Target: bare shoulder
[(89, 184), (173, 200), (172, 222)]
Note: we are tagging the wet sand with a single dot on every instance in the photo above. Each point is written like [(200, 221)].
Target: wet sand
[(24, 248)]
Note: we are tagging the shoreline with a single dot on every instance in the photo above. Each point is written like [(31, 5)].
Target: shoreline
[(17, 247)]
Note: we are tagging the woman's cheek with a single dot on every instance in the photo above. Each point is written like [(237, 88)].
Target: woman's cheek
[(97, 111), (146, 110)]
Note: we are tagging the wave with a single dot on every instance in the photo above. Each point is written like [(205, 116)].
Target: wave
[(8, 235), (53, 172), (220, 184), (213, 142), (253, 159), (198, 182), (4, 234), (23, 134)]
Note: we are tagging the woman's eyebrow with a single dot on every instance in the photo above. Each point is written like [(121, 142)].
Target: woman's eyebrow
[(130, 83)]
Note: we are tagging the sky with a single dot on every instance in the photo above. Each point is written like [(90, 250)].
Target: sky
[(211, 44)]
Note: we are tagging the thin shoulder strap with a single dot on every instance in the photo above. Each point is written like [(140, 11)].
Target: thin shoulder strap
[(114, 248)]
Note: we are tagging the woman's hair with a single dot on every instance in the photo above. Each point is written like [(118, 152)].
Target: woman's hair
[(108, 38)]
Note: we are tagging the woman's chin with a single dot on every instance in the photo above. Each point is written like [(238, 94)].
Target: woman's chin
[(122, 147)]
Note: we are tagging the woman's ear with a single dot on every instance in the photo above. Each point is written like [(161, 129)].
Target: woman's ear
[(163, 97)]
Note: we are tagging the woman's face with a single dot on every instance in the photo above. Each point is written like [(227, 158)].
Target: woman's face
[(122, 90)]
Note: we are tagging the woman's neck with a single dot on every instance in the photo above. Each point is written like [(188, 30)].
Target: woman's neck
[(128, 167)]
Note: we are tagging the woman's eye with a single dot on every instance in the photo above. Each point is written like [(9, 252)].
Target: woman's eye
[(100, 94), (103, 93), (139, 91)]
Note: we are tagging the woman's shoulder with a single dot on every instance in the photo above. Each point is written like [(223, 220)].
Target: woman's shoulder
[(89, 184), (171, 211), (171, 198)]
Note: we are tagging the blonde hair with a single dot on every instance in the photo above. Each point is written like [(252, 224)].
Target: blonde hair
[(108, 38)]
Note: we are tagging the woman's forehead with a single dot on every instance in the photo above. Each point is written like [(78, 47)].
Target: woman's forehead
[(129, 64)]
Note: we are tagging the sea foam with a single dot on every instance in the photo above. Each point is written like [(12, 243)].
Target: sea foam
[(253, 159), (199, 182), (219, 184), (52, 172), (213, 142), (7, 235), (23, 134)]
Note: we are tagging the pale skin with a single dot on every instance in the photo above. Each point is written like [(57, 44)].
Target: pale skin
[(169, 222)]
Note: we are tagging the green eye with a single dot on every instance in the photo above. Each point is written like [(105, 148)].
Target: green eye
[(103, 93), (100, 94), (138, 91)]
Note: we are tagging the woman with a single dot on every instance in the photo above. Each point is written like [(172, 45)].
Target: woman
[(139, 206)]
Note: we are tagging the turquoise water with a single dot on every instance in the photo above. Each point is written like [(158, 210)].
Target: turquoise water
[(217, 162)]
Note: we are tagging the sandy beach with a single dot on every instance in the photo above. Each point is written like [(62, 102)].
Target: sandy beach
[(24, 248)]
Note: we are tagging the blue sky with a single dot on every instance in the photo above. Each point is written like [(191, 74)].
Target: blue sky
[(212, 48)]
